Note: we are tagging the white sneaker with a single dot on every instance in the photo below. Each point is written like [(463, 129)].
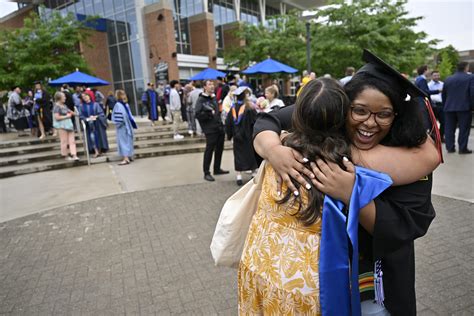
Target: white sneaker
[(178, 137), (190, 132)]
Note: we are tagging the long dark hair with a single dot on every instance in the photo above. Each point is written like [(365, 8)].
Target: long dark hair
[(318, 133), (407, 128)]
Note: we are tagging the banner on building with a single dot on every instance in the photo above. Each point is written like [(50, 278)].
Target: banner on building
[(161, 73)]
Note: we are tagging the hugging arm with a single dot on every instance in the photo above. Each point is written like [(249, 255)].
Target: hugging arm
[(404, 165), (287, 162)]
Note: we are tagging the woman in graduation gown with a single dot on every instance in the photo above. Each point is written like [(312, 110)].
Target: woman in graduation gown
[(239, 126), (96, 123), (387, 135), (124, 124)]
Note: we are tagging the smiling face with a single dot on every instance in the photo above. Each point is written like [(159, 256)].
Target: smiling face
[(367, 134)]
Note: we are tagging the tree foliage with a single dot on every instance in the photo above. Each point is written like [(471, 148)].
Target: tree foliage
[(282, 39), (448, 58), (338, 36), (42, 49)]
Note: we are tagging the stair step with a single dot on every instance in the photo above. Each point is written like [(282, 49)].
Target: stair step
[(41, 147), (16, 170), (54, 153), (25, 141)]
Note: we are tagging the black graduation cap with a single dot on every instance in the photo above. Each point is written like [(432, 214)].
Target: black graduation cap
[(379, 69), (37, 82)]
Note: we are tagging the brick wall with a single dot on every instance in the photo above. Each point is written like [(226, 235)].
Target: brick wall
[(203, 38), (161, 41), (16, 19), (96, 54), (230, 39)]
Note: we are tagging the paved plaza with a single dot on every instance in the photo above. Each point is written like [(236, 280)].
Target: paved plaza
[(148, 253), (113, 240)]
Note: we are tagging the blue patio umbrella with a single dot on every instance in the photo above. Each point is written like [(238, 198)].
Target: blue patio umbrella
[(79, 78), (269, 66), (208, 74)]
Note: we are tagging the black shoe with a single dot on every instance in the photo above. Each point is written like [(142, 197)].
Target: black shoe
[(218, 172), (208, 177), (239, 182), (450, 151), (465, 152)]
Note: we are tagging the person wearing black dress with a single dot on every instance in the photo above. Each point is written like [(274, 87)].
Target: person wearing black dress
[(387, 135), (239, 126)]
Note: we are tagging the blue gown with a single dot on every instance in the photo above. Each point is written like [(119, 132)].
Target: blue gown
[(124, 125), (96, 130)]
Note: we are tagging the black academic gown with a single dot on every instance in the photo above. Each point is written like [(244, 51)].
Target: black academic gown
[(45, 113), (244, 153), (403, 213)]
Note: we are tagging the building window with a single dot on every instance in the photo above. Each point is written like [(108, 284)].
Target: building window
[(122, 38), (182, 9)]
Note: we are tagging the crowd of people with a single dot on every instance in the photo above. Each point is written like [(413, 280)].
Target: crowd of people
[(216, 109)]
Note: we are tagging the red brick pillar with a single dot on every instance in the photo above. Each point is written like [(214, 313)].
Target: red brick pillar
[(159, 29), (230, 38), (96, 53), (203, 37)]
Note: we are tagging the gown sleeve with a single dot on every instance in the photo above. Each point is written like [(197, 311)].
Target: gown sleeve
[(118, 116), (277, 120), (403, 213)]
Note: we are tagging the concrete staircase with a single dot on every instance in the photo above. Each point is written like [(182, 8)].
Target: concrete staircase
[(29, 155)]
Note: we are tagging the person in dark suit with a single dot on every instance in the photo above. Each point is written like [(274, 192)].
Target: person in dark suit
[(458, 98), (422, 84)]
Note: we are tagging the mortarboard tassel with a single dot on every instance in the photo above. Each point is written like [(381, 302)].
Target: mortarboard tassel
[(378, 283), (434, 129)]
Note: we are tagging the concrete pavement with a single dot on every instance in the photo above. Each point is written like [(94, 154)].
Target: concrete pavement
[(147, 253), (27, 194), (135, 240)]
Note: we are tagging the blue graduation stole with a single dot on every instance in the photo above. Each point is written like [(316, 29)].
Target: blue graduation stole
[(130, 117), (153, 103), (339, 274)]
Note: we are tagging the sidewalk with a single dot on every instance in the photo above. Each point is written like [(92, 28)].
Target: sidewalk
[(148, 253), (27, 194), (135, 240)]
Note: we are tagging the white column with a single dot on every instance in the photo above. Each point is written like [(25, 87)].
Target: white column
[(282, 8), (205, 3), (237, 9), (143, 42), (262, 5)]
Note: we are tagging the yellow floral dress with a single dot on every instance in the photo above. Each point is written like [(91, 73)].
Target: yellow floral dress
[(278, 272)]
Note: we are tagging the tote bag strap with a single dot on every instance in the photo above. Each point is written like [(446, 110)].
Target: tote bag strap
[(258, 179)]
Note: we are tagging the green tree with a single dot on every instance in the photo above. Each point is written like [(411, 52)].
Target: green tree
[(341, 32), (282, 39), (42, 49), (448, 57)]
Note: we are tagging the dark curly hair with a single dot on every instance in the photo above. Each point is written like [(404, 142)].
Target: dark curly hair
[(407, 128)]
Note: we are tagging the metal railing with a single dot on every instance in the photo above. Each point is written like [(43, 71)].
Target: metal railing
[(83, 137)]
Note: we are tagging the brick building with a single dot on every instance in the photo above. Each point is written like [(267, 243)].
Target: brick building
[(151, 40)]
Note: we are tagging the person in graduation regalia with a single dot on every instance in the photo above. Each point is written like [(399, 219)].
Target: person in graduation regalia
[(43, 108), (286, 268), (96, 123), (124, 124), (386, 135), (239, 126), (150, 100)]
